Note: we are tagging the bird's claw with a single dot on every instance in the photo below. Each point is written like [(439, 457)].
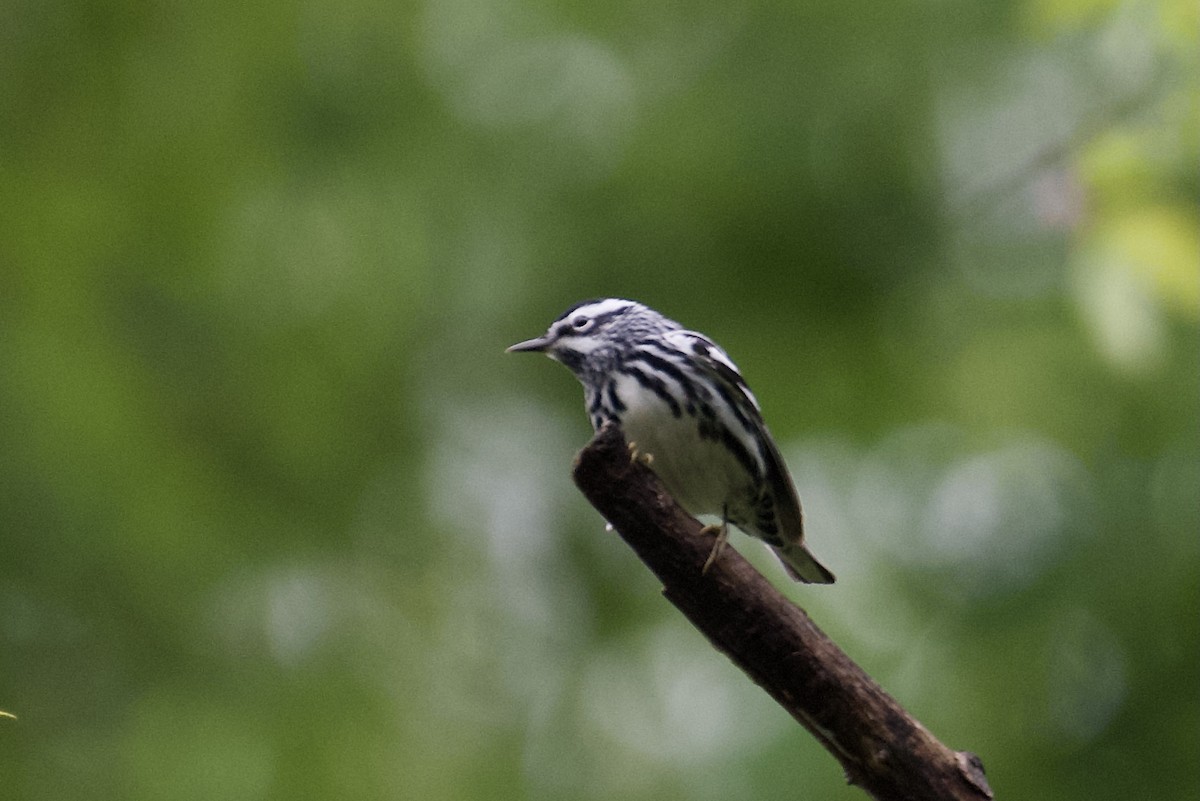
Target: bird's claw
[(637, 456), (722, 534)]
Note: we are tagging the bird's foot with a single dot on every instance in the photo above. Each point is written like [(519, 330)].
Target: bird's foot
[(637, 456), (722, 534)]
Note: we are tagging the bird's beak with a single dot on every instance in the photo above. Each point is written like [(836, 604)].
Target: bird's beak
[(536, 345)]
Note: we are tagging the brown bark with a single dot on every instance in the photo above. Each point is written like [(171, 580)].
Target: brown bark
[(882, 748)]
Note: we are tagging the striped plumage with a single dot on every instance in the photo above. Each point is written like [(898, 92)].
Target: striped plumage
[(681, 401)]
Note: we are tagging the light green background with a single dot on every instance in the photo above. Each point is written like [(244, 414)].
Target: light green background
[(280, 520)]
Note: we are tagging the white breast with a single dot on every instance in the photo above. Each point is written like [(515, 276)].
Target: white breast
[(700, 474)]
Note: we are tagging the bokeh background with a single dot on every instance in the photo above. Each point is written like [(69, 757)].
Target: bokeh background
[(279, 519)]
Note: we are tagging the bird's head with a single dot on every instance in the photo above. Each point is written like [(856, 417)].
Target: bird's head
[(590, 335)]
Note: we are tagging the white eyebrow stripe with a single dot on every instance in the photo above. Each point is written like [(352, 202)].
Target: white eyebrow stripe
[(600, 308)]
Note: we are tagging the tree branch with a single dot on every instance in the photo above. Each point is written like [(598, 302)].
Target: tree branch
[(881, 747)]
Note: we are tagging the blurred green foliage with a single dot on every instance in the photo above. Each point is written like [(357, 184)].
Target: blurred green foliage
[(280, 520)]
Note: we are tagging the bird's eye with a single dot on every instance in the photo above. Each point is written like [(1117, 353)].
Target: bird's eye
[(582, 323)]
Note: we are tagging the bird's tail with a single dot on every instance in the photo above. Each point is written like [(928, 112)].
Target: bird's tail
[(802, 565)]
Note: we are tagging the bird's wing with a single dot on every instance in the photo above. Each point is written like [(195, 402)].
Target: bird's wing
[(710, 357)]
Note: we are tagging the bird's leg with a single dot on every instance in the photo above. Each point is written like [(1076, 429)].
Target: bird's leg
[(722, 533), (637, 456)]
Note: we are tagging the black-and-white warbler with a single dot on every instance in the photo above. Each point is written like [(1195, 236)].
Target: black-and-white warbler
[(686, 411)]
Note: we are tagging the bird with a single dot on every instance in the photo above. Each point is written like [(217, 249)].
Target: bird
[(687, 413)]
